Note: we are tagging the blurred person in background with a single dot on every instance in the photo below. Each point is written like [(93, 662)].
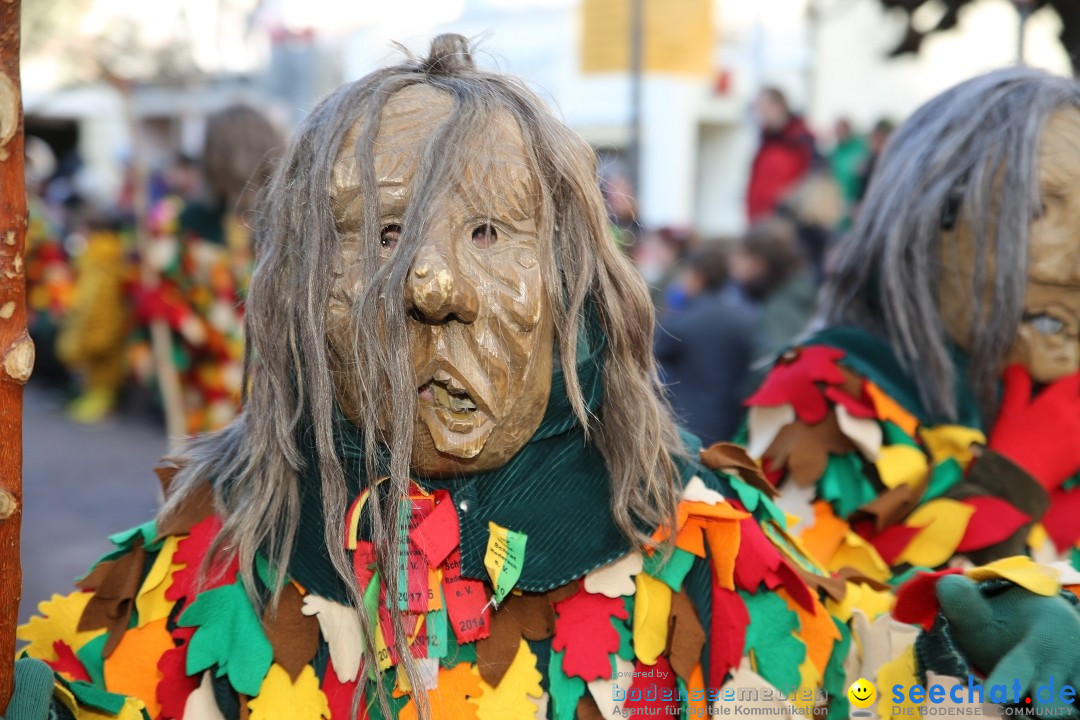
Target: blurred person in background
[(771, 270), (846, 160), (876, 142), (817, 210), (783, 158), (658, 258), (201, 247), (704, 347)]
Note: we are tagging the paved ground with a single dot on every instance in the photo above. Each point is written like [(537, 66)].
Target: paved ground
[(81, 483)]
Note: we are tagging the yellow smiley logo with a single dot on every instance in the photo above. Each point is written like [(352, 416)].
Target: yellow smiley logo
[(862, 693)]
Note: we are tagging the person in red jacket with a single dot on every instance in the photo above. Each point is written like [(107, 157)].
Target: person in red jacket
[(783, 158)]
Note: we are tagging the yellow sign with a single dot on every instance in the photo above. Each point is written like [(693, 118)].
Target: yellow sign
[(677, 36)]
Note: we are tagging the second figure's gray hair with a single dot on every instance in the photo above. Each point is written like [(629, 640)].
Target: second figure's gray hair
[(973, 152)]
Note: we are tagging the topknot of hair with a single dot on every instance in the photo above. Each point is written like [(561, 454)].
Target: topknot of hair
[(450, 54)]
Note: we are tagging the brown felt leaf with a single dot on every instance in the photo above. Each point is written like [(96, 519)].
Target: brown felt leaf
[(527, 615), (733, 459), (587, 709), (115, 584), (892, 506), (198, 507), (852, 385), (834, 587), (166, 473), (805, 449), (852, 575), (686, 637), (293, 635), (565, 592)]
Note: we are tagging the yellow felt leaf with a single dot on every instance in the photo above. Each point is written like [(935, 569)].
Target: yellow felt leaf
[(58, 621), (898, 671), (450, 699), (855, 552), (510, 699), (652, 607), (951, 441), (279, 697), (826, 535), (809, 680), (872, 602), (132, 710), (150, 602), (901, 465), (131, 669), (1039, 579), (943, 522)]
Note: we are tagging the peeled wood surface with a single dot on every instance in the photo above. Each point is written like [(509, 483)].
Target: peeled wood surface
[(15, 345)]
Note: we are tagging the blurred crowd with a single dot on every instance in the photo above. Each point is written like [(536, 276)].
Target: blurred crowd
[(143, 299), (130, 300)]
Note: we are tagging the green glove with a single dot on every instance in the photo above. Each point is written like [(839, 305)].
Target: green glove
[(33, 691), (1015, 635)]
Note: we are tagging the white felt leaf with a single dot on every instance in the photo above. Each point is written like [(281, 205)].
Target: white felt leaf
[(751, 691), (864, 432), (603, 690), (341, 629), (695, 491), (201, 704), (798, 501), (764, 424), (615, 579)]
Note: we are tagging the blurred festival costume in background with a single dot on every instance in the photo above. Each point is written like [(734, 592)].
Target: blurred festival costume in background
[(935, 423), (483, 546), (201, 247), (785, 155)]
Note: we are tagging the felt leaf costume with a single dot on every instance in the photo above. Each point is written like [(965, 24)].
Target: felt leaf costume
[(879, 485)]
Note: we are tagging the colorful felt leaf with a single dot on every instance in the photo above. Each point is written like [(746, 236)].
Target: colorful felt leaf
[(190, 553), (583, 631), (899, 465), (816, 630), (1060, 520), (686, 637), (943, 522), (510, 700), (176, 686), (727, 633), (616, 578), (1039, 579), (993, 521), (793, 380), (916, 600), (151, 603), (127, 671), (652, 606), (856, 553), (764, 423), (869, 600), (953, 442), (281, 697), (652, 684), (457, 688), (889, 410), (696, 491), (67, 664), (565, 690), (339, 695), (115, 584), (771, 640), (293, 634), (898, 672), (58, 619), (825, 536), (602, 690), (228, 635), (864, 432), (342, 631), (672, 571)]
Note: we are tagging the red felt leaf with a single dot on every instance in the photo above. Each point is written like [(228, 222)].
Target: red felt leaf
[(653, 690), (860, 407), (994, 520), (584, 631), (793, 380), (339, 695), (916, 600), (1060, 520), (773, 474), (67, 663), (758, 558), (727, 633), (794, 584), (893, 540), (190, 552), (175, 685)]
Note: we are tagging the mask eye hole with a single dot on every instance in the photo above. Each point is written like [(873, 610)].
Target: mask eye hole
[(390, 235), (484, 236)]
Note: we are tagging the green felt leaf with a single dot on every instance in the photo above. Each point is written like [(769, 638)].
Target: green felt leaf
[(228, 635), (626, 631), (94, 697), (683, 696), (944, 475), (845, 485), (895, 436), (1075, 556), (770, 636), (92, 656), (673, 572), (565, 691), (835, 676), (147, 531), (898, 580)]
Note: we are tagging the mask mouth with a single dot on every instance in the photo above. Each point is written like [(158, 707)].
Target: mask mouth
[(449, 395)]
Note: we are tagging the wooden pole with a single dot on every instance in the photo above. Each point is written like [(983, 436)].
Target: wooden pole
[(15, 344)]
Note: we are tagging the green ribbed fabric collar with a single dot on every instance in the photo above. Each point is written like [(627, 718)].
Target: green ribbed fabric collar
[(556, 490)]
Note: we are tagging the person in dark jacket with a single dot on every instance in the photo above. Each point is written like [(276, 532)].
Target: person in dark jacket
[(705, 346), (784, 157)]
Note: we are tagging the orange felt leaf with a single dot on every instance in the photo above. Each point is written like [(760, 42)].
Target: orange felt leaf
[(450, 698), (691, 510), (888, 409), (132, 668), (691, 537), (824, 537), (698, 704), (816, 629), (723, 537)]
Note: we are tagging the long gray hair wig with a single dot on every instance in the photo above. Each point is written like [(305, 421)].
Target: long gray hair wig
[(288, 365), (971, 152)]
